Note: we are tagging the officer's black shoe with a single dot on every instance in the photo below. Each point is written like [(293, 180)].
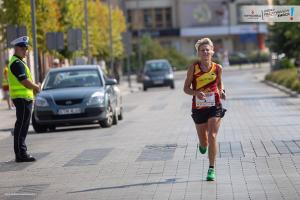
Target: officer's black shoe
[(25, 158)]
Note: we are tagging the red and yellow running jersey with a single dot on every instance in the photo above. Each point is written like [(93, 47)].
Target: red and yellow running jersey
[(206, 82)]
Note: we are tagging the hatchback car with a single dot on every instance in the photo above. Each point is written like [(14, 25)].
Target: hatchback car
[(158, 73), (77, 95)]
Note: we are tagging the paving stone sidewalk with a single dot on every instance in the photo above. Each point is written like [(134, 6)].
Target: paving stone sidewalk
[(149, 156)]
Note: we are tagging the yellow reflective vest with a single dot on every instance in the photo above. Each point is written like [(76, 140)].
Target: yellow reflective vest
[(16, 89)]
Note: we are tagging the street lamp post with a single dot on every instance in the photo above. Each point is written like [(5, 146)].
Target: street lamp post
[(127, 43), (111, 50), (34, 41), (257, 38), (138, 37), (86, 31)]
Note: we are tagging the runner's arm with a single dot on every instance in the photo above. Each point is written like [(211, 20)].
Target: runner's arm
[(220, 83), (188, 81)]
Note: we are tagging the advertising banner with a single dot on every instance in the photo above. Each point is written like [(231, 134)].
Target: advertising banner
[(269, 13)]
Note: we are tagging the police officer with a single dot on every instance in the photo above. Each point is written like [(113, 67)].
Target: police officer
[(22, 91)]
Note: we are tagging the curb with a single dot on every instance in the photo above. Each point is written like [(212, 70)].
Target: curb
[(281, 88)]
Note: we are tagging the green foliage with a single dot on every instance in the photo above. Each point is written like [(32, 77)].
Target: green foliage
[(151, 49), (286, 63), (98, 26), (296, 85), (284, 37), (179, 61), (285, 77), (46, 11), (61, 15), (15, 12)]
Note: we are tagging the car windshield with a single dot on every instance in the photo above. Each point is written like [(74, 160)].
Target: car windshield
[(74, 78), (157, 66)]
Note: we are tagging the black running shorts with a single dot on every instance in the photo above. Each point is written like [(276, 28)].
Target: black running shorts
[(201, 116)]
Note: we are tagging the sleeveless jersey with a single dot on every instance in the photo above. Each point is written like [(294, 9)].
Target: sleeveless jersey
[(206, 82)]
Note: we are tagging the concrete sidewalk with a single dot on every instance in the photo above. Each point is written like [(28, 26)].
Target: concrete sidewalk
[(7, 120)]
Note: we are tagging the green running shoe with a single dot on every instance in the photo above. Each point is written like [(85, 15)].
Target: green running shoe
[(202, 149), (211, 175)]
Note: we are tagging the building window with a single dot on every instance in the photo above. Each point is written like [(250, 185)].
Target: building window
[(129, 18), (168, 18), (159, 22), (148, 18), (153, 18)]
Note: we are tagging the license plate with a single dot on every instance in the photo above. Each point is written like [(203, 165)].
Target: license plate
[(69, 111), (158, 82)]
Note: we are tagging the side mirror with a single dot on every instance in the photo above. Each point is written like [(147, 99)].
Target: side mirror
[(111, 81)]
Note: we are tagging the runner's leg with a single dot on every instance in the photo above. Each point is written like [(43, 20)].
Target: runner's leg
[(213, 128), (202, 134)]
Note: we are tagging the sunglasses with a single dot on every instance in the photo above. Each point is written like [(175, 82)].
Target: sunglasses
[(24, 48)]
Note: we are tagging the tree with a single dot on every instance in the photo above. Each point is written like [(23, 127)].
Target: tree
[(18, 12), (284, 37), (99, 30), (10, 14), (47, 19), (152, 49), (61, 15), (72, 16)]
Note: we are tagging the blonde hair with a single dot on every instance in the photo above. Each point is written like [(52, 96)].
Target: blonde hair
[(202, 42)]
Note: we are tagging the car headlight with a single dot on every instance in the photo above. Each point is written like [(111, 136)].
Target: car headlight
[(96, 99), (169, 76), (41, 102), (146, 78)]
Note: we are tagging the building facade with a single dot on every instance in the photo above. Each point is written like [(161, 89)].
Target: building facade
[(156, 18), (180, 23)]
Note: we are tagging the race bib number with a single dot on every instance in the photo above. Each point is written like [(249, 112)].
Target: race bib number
[(208, 101)]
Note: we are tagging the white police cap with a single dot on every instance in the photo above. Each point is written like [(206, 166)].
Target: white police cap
[(21, 41)]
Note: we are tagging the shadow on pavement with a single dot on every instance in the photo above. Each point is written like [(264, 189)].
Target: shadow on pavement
[(64, 129), (167, 181)]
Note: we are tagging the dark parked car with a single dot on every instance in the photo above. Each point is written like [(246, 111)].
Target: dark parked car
[(77, 95), (158, 73)]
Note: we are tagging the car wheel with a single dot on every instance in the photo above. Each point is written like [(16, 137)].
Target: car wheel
[(172, 86), (38, 128), (108, 121), (145, 88), (115, 119), (120, 116)]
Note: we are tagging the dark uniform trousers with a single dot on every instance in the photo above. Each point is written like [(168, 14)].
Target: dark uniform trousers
[(23, 113)]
